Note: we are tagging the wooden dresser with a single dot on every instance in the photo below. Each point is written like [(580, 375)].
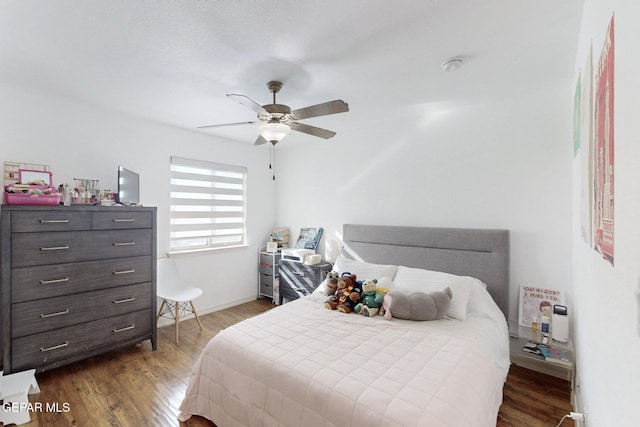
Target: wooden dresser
[(77, 281)]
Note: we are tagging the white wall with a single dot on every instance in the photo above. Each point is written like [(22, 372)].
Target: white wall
[(492, 165), (607, 340), (82, 141)]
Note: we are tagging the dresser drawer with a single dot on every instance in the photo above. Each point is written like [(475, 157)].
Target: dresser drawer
[(42, 221), (268, 258), (45, 315), (266, 289), (289, 293), (30, 249), (51, 347), (266, 279), (46, 281), (268, 269), (116, 220)]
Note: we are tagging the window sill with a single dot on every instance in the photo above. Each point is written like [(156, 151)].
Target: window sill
[(204, 250)]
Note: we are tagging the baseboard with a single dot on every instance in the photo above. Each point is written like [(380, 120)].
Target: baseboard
[(576, 404), (163, 321)]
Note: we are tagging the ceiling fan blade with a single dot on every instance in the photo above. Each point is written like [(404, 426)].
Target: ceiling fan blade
[(249, 103), (331, 107), (312, 130), (260, 140), (227, 124)]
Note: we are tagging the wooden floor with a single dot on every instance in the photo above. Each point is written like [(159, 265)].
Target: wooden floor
[(139, 387), (531, 399)]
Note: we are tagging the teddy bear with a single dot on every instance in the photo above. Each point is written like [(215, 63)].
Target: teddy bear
[(331, 302), (332, 283), (371, 299), (417, 305), (347, 294)]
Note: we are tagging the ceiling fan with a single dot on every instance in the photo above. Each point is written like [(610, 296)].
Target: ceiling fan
[(275, 121)]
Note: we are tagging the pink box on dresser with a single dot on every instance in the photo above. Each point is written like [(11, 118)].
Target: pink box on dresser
[(32, 194)]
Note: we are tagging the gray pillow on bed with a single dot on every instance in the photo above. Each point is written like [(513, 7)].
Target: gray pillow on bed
[(415, 305)]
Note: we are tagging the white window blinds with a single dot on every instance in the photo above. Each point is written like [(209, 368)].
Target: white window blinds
[(208, 203)]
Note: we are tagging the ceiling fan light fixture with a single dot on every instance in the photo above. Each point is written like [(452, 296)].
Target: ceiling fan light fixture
[(273, 131)]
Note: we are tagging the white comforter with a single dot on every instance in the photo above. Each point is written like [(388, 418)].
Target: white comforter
[(303, 365)]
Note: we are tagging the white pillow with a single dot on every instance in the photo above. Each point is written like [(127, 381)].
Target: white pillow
[(385, 282), (364, 270), (418, 278), (481, 302), (430, 281)]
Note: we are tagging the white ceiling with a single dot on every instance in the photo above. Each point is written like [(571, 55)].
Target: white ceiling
[(174, 61)]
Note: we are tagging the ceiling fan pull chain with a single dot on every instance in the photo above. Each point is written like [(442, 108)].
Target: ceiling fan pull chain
[(273, 156)]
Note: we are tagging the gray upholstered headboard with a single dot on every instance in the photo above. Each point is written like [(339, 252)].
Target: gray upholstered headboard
[(481, 253)]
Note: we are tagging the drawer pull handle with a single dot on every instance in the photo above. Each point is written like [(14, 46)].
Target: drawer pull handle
[(126, 328), (55, 248), (298, 273), (54, 221), (124, 220), (55, 347), (59, 313), (133, 270), (124, 243), (47, 282), (120, 301)]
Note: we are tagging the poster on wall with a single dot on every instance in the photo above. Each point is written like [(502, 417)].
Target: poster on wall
[(603, 174), (576, 119), (537, 302), (585, 155)]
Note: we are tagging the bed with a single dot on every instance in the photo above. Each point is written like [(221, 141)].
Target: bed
[(301, 364)]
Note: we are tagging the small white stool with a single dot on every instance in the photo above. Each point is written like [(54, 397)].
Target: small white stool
[(14, 391)]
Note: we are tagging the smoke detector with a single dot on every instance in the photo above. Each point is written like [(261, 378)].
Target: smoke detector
[(452, 64)]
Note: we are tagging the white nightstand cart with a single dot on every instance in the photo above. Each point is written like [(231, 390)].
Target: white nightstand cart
[(520, 335), (267, 272)]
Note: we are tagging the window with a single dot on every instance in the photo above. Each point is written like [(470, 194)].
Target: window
[(208, 203)]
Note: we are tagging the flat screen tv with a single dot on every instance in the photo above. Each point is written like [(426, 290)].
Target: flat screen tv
[(128, 187)]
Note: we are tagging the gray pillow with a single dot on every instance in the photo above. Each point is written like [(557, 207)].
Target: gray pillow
[(416, 305)]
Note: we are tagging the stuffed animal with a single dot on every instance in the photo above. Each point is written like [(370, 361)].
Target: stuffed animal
[(385, 307), (417, 305), (347, 294), (371, 300), (332, 283), (331, 302)]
